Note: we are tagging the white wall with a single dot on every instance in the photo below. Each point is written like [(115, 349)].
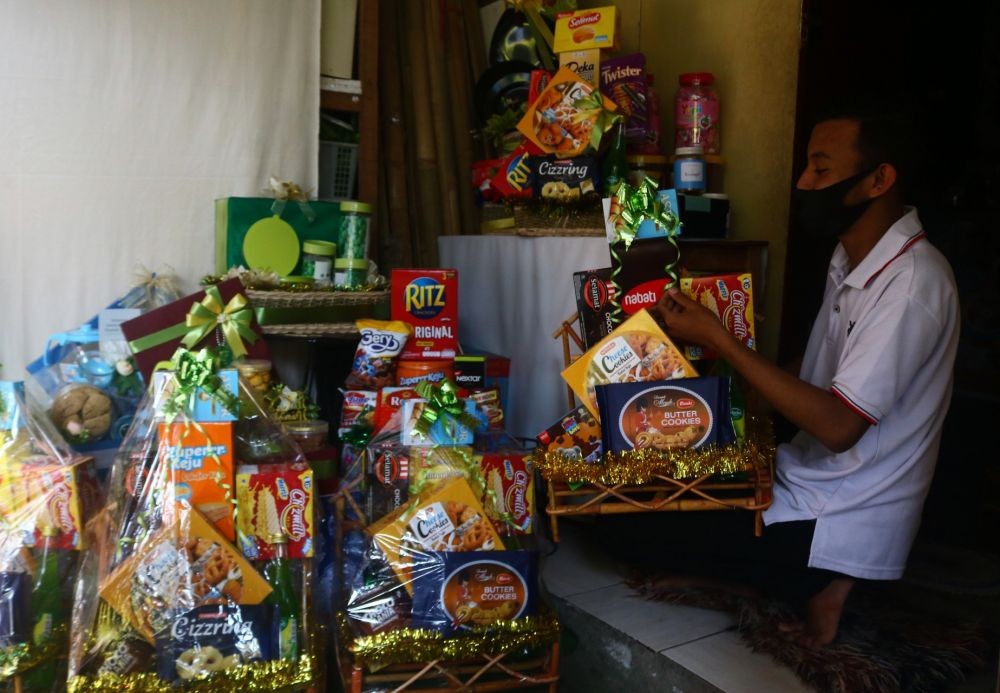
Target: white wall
[(120, 122)]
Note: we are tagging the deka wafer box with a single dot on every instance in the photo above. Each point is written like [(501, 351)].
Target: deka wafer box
[(427, 299)]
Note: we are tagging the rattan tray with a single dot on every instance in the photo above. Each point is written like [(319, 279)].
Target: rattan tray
[(316, 314)]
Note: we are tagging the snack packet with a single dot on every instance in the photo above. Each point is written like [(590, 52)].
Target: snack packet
[(569, 116), (730, 297), (375, 360)]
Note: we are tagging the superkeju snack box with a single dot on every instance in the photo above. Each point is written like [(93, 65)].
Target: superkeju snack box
[(200, 461), (427, 299)]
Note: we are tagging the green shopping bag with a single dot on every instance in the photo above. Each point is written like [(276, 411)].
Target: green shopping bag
[(235, 215)]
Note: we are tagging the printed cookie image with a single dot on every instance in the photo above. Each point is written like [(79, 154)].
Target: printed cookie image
[(484, 592), (82, 412), (196, 662), (666, 417), (634, 357), (216, 577)]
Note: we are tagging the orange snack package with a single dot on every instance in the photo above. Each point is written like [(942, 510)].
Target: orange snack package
[(447, 517), (568, 117), (637, 351), (183, 566), (200, 459)]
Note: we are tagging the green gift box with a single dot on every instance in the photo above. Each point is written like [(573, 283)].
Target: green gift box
[(235, 215)]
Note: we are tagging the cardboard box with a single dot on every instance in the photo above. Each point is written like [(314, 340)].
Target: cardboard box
[(67, 495), (427, 299), (586, 29), (165, 327), (200, 460), (593, 292), (585, 63), (730, 297), (292, 488), (205, 409)]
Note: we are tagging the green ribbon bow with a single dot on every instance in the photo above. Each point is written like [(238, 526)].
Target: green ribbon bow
[(193, 373), (591, 107), (234, 318), (284, 191), (636, 205), (442, 400)]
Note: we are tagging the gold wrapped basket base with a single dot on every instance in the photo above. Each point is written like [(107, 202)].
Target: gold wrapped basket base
[(508, 655), (734, 477)]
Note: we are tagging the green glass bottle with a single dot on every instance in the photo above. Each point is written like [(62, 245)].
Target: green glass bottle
[(286, 614), (46, 610), (614, 170)]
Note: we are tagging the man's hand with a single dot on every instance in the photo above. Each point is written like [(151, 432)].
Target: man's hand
[(690, 321), (816, 411)]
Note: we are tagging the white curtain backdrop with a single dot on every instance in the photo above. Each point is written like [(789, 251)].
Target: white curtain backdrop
[(120, 122)]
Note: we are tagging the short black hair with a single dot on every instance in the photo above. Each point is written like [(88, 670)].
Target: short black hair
[(885, 136)]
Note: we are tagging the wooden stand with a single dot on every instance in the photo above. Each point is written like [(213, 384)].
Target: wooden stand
[(664, 494), (496, 673)]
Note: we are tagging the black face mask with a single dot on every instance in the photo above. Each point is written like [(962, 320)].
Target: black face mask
[(823, 212)]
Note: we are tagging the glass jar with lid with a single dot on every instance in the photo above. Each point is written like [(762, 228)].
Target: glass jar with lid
[(310, 435), (352, 241), (689, 170), (350, 273), (317, 261), (697, 112)]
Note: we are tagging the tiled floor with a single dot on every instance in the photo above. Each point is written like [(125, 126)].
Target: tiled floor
[(696, 639)]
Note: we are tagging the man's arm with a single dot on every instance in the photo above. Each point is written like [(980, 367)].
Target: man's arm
[(817, 412)]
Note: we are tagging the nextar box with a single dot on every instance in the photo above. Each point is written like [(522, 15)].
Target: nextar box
[(427, 299)]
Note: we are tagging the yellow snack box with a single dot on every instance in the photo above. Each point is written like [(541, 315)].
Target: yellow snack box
[(183, 566), (583, 29), (586, 64), (200, 462), (447, 517), (637, 351)]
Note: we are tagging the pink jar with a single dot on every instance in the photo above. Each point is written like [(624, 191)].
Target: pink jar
[(697, 112)]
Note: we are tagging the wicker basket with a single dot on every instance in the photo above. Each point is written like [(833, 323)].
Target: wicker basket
[(316, 314)]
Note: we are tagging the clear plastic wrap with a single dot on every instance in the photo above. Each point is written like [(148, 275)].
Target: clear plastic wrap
[(47, 494), (202, 567)]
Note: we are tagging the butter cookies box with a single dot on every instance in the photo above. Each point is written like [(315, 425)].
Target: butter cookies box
[(427, 300)]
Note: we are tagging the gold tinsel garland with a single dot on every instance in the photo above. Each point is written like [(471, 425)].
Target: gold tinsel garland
[(276, 675), (17, 659), (406, 645), (638, 467)]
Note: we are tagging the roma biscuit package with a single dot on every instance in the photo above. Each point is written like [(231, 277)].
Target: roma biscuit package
[(448, 517), (683, 413), (730, 297), (427, 300), (637, 351), (509, 497), (456, 591)]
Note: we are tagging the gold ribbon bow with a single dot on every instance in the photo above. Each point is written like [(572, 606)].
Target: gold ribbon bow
[(285, 190), (234, 318)]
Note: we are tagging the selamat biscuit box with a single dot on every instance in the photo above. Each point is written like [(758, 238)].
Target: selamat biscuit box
[(427, 300), (637, 351), (730, 297), (585, 29)]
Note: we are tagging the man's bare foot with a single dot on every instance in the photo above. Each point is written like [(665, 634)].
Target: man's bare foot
[(823, 613)]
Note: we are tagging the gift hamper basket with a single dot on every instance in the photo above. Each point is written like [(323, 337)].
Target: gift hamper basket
[(201, 568), (439, 587), (47, 493)]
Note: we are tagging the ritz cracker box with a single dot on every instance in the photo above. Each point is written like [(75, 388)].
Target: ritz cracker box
[(427, 299)]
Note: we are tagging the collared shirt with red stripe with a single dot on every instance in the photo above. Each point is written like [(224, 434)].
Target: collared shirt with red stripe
[(884, 343)]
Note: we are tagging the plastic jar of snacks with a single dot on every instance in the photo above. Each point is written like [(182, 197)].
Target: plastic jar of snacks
[(257, 373), (350, 273), (317, 261), (641, 166), (310, 435), (352, 241), (697, 112)]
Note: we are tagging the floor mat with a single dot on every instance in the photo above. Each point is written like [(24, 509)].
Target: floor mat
[(883, 644)]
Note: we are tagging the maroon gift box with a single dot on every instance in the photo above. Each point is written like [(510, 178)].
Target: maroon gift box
[(169, 322)]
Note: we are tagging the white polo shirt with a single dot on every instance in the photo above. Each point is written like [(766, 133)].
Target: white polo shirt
[(884, 342)]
